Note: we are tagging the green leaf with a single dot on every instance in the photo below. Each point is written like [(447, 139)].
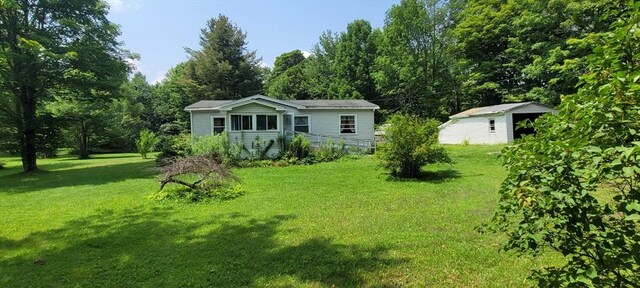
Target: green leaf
[(633, 206), (632, 217)]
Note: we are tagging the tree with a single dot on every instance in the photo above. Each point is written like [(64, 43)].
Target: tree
[(573, 187), (518, 50), (353, 64), (146, 143), (46, 44), (287, 80), (413, 70), (318, 67), (410, 143), (222, 68)]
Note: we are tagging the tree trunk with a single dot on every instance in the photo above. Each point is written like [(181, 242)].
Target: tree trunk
[(27, 128), (84, 141)]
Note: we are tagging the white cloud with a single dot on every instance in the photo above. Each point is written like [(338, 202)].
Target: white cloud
[(124, 5), (306, 54)]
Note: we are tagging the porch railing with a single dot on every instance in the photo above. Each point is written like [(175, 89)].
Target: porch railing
[(318, 140)]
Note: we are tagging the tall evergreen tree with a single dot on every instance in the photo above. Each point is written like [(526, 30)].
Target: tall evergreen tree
[(223, 68)]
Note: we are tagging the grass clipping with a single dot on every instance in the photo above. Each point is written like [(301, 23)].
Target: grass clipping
[(197, 178)]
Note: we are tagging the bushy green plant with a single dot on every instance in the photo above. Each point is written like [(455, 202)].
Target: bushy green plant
[(330, 151), (573, 187), (300, 147), (172, 146), (217, 146), (409, 144), (147, 142)]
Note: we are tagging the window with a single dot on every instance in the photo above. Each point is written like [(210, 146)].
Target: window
[(301, 124), (241, 122), (347, 124), (218, 125), (492, 126), (266, 122)]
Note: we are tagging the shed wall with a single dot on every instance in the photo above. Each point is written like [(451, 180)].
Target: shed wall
[(475, 130)]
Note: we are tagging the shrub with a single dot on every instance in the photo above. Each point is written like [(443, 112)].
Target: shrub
[(410, 143), (330, 151), (2, 164), (217, 146), (201, 176), (172, 146), (572, 189), (146, 143), (300, 147)]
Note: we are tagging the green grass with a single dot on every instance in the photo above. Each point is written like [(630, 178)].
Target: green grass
[(89, 223)]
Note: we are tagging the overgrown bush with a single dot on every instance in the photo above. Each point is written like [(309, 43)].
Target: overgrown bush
[(173, 146), (217, 146), (146, 143), (572, 189), (409, 144), (330, 151), (201, 177), (300, 147)]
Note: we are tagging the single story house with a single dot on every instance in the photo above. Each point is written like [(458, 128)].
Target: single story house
[(268, 119), (491, 125)]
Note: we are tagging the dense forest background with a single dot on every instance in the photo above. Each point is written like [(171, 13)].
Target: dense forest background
[(431, 58)]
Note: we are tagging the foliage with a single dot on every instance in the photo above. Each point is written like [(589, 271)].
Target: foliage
[(2, 164), (519, 50), (66, 45), (146, 143), (205, 177), (300, 147), (222, 68), (217, 146), (330, 151), (353, 63), (410, 143), (414, 69), (172, 144), (573, 187)]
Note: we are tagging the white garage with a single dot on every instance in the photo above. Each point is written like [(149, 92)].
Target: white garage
[(491, 125)]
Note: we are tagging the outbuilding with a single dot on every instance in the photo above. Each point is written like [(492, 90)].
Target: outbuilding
[(496, 124)]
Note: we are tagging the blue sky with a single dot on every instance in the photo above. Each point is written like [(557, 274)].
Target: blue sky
[(159, 30)]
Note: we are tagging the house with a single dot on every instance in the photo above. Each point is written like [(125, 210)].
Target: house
[(491, 125), (266, 119)]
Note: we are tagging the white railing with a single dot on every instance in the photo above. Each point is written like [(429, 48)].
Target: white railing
[(318, 140)]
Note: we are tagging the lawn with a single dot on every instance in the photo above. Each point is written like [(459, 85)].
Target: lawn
[(89, 223)]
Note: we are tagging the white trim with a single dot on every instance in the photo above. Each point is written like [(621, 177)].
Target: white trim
[(260, 99), (191, 126), (213, 123), (293, 120), (341, 108), (254, 122), (355, 124)]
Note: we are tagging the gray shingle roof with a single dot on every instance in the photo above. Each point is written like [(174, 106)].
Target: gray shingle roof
[(304, 104), (495, 109), (208, 104)]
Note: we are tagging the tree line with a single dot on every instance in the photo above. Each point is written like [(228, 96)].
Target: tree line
[(66, 82)]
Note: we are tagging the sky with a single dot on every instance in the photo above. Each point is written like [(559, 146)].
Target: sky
[(159, 30)]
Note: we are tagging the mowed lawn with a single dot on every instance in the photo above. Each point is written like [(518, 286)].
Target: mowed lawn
[(90, 223)]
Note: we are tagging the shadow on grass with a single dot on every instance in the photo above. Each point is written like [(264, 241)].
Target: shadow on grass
[(134, 248), (97, 175), (437, 176)]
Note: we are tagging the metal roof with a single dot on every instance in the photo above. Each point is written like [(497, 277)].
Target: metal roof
[(301, 104), (495, 109)]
